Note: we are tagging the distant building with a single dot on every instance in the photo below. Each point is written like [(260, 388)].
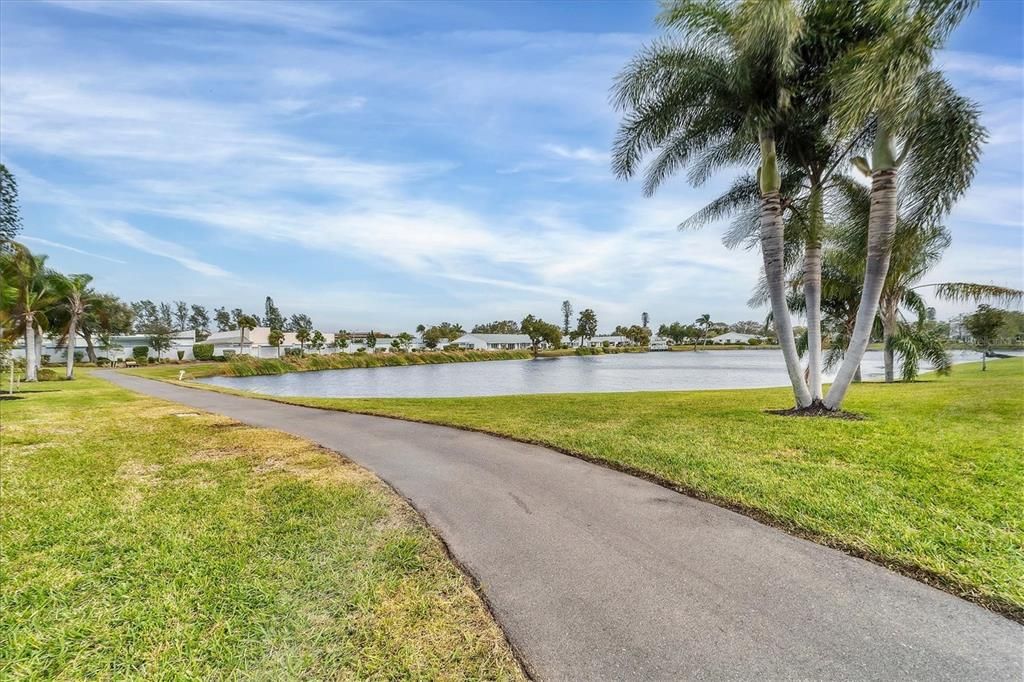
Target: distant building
[(493, 342), (659, 343), (120, 347), (734, 337)]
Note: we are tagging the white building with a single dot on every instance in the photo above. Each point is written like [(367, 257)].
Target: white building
[(734, 337), (120, 347), (256, 343), (494, 342), (659, 343)]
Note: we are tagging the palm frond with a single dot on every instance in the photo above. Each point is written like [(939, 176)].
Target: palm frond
[(963, 292)]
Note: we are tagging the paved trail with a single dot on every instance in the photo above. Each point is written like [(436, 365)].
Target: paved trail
[(594, 574)]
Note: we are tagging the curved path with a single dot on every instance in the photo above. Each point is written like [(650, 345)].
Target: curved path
[(595, 574)]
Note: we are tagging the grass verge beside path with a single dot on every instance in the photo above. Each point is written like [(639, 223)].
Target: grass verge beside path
[(141, 539), (929, 484)]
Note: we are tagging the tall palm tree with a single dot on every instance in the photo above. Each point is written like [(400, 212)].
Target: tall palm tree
[(34, 295), (711, 95), (889, 81), (76, 298)]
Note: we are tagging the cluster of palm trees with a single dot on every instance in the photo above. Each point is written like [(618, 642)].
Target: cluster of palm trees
[(801, 90), (35, 299)]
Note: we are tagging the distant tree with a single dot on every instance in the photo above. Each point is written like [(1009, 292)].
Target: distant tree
[(982, 325), (586, 325), (405, 340), (245, 322), (440, 332), (10, 214), (497, 327), (317, 340), (145, 316), (236, 313), (420, 328), (223, 320), (645, 319), (748, 327), (181, 316), (297, 322), (106, 316), (166, 316), (371, 340), (638, 335), (539, 332), (302, 336), (566, 317), (396, 344), (341, 338), (276, 338), (272, 316), (160, 339), (199, 320)]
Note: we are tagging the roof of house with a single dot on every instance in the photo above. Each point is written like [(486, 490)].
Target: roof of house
[(495, 338), (736, 335)]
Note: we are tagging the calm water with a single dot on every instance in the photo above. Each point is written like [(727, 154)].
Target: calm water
[(665, 371)]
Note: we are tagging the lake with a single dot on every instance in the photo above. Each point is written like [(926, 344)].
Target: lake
[(664, 371)]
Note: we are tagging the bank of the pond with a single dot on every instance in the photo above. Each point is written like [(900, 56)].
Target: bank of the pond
[(928, 484), (246, 366), (142, 539)]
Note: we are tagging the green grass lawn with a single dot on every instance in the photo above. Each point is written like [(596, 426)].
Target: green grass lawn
[(143, 540), (930, 483)]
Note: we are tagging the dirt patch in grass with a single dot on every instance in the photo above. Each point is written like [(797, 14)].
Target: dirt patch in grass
[(818, 410)]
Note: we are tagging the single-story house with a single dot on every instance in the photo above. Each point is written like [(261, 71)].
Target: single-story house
[(494, 342), (734, 337), (120, 347), (659, 343), (602, 340)]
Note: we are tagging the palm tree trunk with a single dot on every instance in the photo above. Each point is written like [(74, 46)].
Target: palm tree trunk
[(70, 350), (39, 347), (888, 330), (772, 250), (881, 225), (812, 289), (31, 373), (812, 296)]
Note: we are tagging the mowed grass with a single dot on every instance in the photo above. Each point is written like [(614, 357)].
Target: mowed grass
[(142, 540), (930, 483)]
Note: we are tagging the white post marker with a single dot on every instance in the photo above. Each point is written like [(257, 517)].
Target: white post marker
[(181, 375)]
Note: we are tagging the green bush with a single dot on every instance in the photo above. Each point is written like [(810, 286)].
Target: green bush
[(181, 355), (203, 351), (44, 359), (102, 361), (140, 353), (228, 354), (218, 358), (46, 374), (754, 342)]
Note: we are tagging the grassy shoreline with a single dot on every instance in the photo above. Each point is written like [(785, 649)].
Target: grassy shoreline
[(142, 539), (927, 484)]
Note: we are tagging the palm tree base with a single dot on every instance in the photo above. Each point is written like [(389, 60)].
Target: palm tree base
[(817, 409)]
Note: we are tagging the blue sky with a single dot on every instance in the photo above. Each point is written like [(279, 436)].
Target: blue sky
[(381, 165)]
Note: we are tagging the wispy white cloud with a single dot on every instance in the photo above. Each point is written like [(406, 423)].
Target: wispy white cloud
[(137, 239), (66, 247), (587, 154)]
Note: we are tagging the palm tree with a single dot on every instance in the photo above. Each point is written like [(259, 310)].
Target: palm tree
[(275, 338), (716, 96), (245, 322), (302, 336), (704, 323), (34, 295), (76, 298), (889, 82)]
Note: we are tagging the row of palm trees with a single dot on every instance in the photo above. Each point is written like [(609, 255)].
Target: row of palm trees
[(800, 89), (35, 299)]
